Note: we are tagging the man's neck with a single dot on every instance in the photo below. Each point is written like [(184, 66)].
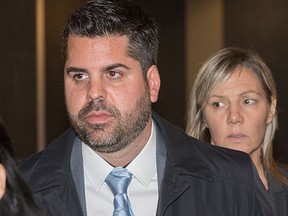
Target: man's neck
[(125, 156)]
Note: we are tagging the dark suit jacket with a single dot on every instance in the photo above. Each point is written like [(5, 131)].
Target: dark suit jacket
[(279, 193), (197, 178)]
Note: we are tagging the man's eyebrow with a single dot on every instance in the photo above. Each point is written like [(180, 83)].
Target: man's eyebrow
[(75, 69), (116, 65), (108, 68)]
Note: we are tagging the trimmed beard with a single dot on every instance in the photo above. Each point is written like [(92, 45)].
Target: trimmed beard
[(114, 135)]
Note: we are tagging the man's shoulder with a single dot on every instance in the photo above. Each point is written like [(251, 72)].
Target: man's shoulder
[(55, 153), (191, 153), (228, 163), (29, 162), (223, 163)]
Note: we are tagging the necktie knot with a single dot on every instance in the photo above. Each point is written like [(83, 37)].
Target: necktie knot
[(118, 181)]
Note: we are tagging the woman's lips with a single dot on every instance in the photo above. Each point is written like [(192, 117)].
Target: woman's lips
[(236, 137)]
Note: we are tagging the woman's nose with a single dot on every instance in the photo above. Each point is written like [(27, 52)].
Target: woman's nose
[(235, 115)]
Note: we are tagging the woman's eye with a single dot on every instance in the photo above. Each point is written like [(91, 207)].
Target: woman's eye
[(249, 101), (217, 104)]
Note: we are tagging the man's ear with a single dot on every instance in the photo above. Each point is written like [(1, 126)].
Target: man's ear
[(2, 180), (153, 79)]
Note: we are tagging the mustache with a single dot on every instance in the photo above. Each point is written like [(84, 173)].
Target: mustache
[(97, 106)]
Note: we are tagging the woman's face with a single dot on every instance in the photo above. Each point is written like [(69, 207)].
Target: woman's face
[(237, 113), (2, 181)]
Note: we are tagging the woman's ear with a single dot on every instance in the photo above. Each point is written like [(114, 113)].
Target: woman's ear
[(204, 123), (153, 79), (272, 110), (2, 180)]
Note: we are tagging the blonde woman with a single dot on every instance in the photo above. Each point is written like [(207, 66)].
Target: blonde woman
[(233, 105)]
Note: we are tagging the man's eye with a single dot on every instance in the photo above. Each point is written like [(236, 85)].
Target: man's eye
[(80, 76), (114, 74), (217, 104)]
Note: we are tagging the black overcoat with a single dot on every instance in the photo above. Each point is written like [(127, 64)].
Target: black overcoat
[(198, 179)]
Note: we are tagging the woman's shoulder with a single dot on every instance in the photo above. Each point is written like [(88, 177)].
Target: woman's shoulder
[(283, 168)]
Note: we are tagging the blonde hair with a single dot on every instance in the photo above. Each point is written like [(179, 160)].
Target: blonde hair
[(215, 71)]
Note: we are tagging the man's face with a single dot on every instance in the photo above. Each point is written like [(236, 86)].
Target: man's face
[(107, 99)]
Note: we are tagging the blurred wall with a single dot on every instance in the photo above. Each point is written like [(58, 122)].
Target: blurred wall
[(57, 12), (17, 73), (262, 25), (204, 34)]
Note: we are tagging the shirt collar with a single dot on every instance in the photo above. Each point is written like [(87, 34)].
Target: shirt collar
[(95, 168), (143, 167)]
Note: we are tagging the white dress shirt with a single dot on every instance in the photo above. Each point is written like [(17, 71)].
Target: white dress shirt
[(142, 191)]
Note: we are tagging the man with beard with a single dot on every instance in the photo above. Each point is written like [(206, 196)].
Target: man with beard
[(110, 52)]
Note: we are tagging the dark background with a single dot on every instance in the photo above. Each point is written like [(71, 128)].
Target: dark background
[(261, 25)]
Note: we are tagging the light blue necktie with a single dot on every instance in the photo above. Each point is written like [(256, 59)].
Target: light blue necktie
[(118, 181)]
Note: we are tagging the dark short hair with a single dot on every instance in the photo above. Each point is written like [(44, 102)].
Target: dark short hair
[(98, 18)]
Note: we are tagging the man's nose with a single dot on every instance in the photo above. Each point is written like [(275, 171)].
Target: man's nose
[(96, 89)]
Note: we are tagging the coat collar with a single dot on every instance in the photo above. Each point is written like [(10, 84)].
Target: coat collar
[(181, 148)]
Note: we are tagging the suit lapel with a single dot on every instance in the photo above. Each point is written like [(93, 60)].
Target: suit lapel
[(161, 155), (77, 171), (56, 186)]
